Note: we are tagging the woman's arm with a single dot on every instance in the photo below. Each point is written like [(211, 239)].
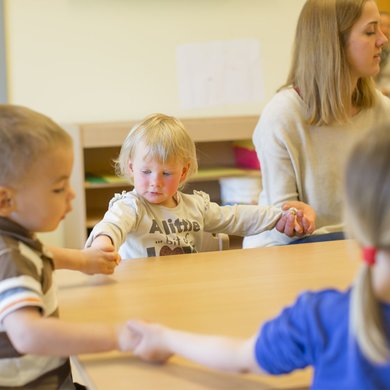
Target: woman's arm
[(273, 139)]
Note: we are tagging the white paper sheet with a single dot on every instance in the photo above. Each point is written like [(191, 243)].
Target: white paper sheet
[(219, 72)]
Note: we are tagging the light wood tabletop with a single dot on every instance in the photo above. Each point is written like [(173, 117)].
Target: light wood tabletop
[(230, 292)]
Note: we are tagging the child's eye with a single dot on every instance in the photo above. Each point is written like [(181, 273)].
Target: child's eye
[(58, 190), (167, 173), (146, 172)]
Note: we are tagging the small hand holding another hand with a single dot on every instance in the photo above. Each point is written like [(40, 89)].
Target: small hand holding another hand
[(308, 217), (298, 219), (148, 341), (126, 338), (289, 223), (101, 257)]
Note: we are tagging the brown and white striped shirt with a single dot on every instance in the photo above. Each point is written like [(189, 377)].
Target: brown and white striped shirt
[(26, 280)]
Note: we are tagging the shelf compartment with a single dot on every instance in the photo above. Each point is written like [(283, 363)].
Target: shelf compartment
[(208, 174)]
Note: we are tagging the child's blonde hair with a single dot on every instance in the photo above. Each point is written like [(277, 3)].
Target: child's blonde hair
[(367, 212), (24, 136), (165, 138), (319, 67)]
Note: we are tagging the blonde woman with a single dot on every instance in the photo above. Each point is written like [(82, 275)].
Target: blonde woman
[(156, 218), (347, 351), (306, 130)]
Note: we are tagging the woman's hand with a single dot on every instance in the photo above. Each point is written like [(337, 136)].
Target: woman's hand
[(298, 219)]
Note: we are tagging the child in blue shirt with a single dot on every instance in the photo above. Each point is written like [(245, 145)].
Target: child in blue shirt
[(344, 335)]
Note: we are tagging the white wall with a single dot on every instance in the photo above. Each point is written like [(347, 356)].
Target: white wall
[(110, 60), (102, 60)]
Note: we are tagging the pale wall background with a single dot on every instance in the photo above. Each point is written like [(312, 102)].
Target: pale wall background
[(110, 60)]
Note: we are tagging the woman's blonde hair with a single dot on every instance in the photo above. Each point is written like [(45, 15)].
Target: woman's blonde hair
[(319, 68), (25, 135), (165, 138), (367, 214)]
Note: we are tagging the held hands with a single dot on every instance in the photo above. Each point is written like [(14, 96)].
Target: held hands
[(125, 337), (148, 341), (98, 261), (89, 261), (101, 257), (298, 219)]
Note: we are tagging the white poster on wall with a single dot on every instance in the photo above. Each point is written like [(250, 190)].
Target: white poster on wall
[(219, 72)]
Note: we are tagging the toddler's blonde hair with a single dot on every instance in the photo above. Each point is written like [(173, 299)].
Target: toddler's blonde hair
[(165, 138)]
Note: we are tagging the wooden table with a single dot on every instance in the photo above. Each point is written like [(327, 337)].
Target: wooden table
[(230, 292)]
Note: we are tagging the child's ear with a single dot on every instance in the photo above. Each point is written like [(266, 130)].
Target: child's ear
[(184, 172), (130, 166), (6, 201)]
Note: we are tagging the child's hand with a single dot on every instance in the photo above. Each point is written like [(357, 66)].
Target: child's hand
[(290, 222), (298, 219), (127, 339), (149, 341), (305, 218), (100, 260)]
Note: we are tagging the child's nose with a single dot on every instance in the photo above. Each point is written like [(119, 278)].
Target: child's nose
[(71, 194), (157, 179)]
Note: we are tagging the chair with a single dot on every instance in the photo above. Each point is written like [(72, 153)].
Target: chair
[(214, 242)]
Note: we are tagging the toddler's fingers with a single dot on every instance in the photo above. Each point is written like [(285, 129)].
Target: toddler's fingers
[(290, 224), (135, 325), (113, 257), (281, 223)]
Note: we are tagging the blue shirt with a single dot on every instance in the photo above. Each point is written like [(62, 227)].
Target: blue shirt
[(315, 332)]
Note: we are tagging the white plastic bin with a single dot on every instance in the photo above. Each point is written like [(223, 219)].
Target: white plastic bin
[(240, 190)]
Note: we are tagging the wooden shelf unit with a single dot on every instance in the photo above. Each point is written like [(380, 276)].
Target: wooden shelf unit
[(97, 144)]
